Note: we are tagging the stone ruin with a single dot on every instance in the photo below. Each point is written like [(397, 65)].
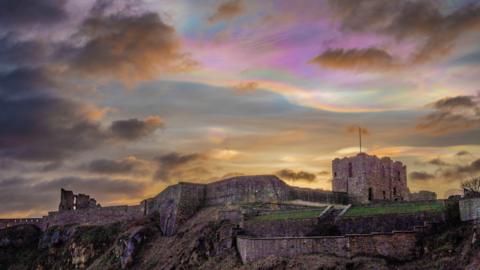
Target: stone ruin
[(70, 201)]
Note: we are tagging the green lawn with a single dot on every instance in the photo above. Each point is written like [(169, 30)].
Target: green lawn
[(293, 214), (398, 208)]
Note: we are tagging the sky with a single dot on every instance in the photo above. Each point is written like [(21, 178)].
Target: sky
[(119, 99)]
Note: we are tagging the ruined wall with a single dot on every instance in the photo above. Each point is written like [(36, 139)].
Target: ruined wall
[(4, 223), (387, 223), (285, 228), (469, 209), (367, 178), (93, 216), (394, 246)]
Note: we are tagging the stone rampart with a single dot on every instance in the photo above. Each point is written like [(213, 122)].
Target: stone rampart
[(93, 216), (175, 204), (4, 223), (394, 246), (247, 189)]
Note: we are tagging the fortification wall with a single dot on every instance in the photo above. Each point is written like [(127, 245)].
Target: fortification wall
[(469, 209), (93, 216), (394, 246), (386, 223), (276, 228), (4, 223), (318, 195), (245, 189), (176, 204)]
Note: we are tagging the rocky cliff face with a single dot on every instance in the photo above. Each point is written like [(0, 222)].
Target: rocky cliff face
[(205, 241)]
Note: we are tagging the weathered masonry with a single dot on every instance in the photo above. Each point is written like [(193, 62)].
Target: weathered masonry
[(395, 246), (368, 178)]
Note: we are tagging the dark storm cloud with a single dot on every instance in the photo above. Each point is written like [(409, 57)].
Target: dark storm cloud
[(22, 13), (409, 20), (21, 53), (295, 176), (461, 172), (144, 47), (227, 11), (132, 129), (21, 194), (355, 59), (173, 162), (450, 115), (422, 176), (109, 166)]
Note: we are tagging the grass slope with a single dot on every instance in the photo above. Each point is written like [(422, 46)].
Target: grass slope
[(398, 208)]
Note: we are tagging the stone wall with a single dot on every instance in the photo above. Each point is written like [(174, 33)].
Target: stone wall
[(367, 178), (394, 246), (246, 189), (4, 223), (93, 216), (285, 228), (386, 223), (469, 209), (423, 195), (175, 204), (318, 195)]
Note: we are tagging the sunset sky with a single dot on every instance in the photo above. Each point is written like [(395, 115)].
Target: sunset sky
[(119, 99)]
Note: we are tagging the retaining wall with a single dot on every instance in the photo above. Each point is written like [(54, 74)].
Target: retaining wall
[(386, 223), (394, 246), (285, 228)]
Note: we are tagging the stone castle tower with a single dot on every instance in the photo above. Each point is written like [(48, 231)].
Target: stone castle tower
[(368, 178)]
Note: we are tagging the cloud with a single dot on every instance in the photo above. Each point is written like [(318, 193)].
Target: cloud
[(109, 166), (25, 194), (227, 11), (133, 129), (245, 87), (450, 115), (422, 176), (131, 48), (28, 13), (463, 153), (323, 173), (295, 176), (462, 171), (355, 59), (23, 53), (436, 32), (40, 124), (171, 163), (438, 162)]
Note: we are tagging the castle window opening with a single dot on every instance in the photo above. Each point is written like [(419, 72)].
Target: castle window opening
[(370, 194), (350, 170), (394, 191), (334, 174), (398, 175), (384, 195)]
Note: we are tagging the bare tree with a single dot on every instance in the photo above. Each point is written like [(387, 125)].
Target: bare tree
[(471, 188)]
